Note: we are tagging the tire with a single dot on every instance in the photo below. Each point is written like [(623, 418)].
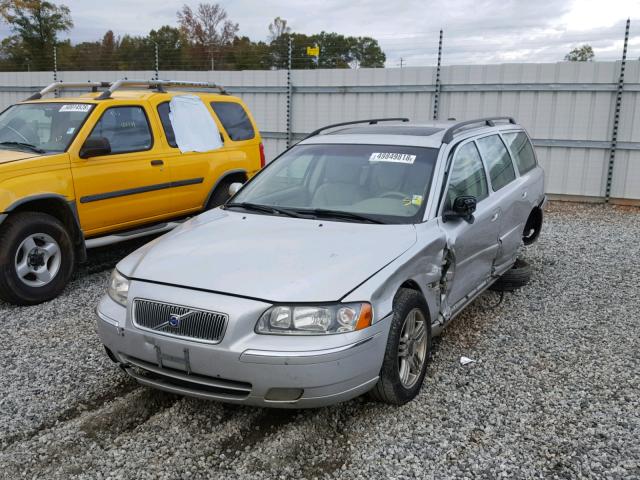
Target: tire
[(516, 277), (390, 387), (29, 241), (219, 195)]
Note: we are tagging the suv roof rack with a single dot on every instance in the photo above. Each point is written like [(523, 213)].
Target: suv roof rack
[(371, 121), (124, 82), (484, 122), (158, 85)]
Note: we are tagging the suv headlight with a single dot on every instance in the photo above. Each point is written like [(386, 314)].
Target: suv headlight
[(315, 319), (118, 288)]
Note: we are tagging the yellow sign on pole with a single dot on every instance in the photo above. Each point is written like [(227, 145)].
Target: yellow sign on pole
[(313, 51)]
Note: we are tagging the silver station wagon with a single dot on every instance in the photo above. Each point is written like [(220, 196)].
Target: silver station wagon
[(327, 274)]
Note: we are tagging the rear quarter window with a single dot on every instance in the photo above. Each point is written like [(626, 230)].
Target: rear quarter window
[(522, 151), (235, 120)]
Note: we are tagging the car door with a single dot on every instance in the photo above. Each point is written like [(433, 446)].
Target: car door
[(193, 173), (128, 186), (472, 245), (507, 187)]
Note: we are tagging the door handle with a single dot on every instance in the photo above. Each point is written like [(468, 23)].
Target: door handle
[(157, 163), (495, 216), (524, 194)]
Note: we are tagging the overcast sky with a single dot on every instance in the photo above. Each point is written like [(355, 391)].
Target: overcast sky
[(475, 31)]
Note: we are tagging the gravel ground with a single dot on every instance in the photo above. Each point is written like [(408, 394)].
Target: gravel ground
[(554, 392)]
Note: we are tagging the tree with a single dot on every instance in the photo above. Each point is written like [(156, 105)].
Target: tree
[(278, 28), (171, 47), (367, 53), (583, 53), (36, 24), (207, 29)]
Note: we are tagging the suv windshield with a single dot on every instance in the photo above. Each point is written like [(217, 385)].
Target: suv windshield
[(42, 127), (382, 183)]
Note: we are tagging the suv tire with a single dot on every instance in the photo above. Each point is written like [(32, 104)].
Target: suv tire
[(517, 276), (406, 349), (37, 258)]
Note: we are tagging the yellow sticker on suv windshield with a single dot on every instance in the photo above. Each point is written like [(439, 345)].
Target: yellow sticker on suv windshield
[(392, 157), (416, 200)]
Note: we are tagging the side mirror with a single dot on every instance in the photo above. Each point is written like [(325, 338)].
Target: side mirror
[(463, 207), (94, 147), (234, 187)]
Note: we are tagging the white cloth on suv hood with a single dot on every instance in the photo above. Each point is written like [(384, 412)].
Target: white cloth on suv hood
[(194, 128)]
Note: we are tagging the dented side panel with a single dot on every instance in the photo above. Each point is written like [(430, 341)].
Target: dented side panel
[(421, 265)]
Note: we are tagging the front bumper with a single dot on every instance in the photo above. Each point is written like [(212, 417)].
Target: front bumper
[(244, 367)]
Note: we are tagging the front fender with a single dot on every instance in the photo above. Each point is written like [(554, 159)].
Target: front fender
[(421, 265)]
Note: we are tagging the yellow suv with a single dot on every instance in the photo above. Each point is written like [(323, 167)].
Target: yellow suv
[(106, 166)]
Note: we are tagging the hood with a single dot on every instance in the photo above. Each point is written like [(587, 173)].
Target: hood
[(279, 259), (7, 156)]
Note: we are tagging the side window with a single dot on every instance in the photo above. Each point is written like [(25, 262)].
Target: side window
[(467, 176), (234, 120), (498, 161), (522, 150), (163, 113), (126, 128)]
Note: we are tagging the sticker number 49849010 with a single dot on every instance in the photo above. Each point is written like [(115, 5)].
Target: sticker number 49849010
[(392, 157)]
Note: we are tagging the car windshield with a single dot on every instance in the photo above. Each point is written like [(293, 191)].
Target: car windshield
[(42, 127), (380, 183)]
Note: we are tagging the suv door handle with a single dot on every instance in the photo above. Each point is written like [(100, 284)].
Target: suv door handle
[(495, 216), (524, 194), (157, 163)]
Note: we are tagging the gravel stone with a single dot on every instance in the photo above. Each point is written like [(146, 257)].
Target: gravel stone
[(554, 392)]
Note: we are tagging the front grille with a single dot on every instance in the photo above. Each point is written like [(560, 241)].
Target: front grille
[(191, 323)]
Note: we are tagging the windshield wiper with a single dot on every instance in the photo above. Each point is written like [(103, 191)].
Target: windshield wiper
[(33, 148), (323, 212), (264, 208)]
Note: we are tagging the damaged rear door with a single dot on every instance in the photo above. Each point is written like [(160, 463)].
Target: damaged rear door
[(471, 245)]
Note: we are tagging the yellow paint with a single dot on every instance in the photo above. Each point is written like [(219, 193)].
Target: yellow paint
[(24, 174)]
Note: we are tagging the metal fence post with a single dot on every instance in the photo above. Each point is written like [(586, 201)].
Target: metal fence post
[(55, 68), (616, 115), (436, 94), (289, 94), (157, 62)]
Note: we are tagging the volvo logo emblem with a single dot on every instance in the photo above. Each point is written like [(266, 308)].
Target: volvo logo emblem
[(174, 320)]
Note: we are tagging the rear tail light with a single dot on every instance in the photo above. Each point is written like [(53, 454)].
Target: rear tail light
[(262, 159)]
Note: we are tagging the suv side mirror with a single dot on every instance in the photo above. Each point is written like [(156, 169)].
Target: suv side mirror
[(463, 207), (94, 147), (234, 187)]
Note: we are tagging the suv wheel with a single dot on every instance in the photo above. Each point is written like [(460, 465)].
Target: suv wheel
[(408, 350), (36, 260)]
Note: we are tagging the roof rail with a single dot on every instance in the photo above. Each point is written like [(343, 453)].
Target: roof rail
[(158, 85), (371, 121), (485, 122), (113, 86), (63, 85)]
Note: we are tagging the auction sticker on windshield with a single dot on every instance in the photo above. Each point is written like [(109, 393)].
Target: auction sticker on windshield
[(392, 157), (75, 107)]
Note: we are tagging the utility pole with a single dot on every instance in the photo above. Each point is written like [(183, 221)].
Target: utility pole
[(616, 114), (436, 93), (401, 62)]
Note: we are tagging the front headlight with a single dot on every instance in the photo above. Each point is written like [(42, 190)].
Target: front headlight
[(315, 319), (118, 288)]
